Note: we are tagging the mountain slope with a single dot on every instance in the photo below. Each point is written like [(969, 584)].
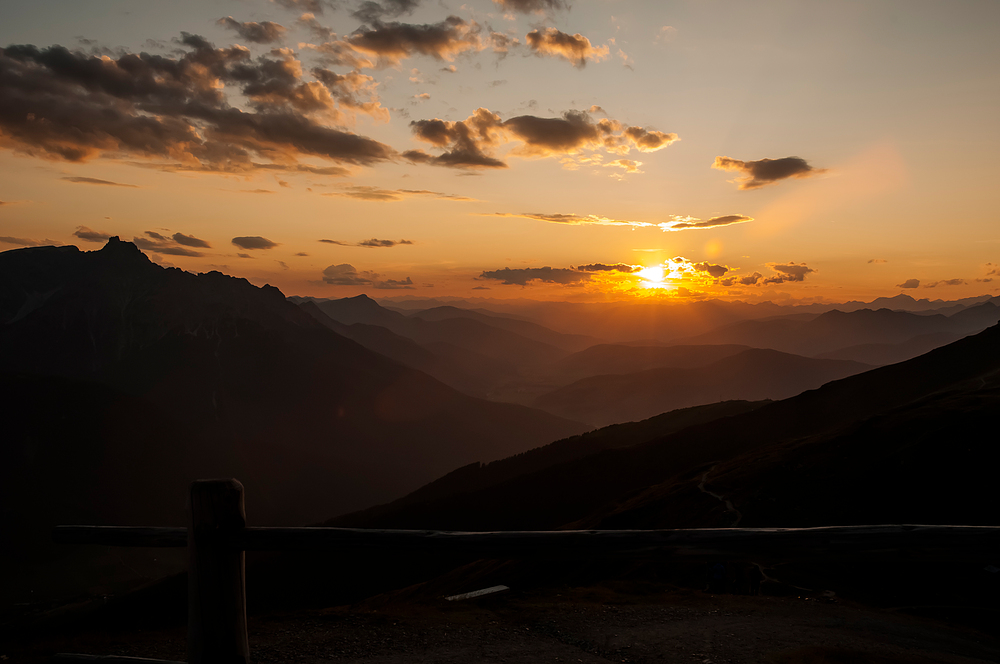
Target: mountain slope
[(751, 374)]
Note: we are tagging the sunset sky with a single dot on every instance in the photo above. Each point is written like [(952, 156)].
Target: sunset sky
[(585, 150)]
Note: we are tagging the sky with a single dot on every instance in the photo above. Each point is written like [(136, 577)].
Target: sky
[(584, 150)]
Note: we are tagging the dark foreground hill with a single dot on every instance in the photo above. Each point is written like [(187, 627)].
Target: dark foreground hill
[(122, 381)]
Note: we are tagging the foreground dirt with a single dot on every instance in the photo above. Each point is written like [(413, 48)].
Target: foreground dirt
[(570, 625)]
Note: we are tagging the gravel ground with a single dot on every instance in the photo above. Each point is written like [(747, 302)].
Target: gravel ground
[(570, 625)]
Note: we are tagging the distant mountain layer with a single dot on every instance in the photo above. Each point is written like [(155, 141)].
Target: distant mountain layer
[(122, 381), (836, 330), (750, 374), (907, 443)]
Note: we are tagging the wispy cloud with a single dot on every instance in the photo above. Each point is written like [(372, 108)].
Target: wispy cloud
[(108, 183), (371, 193)]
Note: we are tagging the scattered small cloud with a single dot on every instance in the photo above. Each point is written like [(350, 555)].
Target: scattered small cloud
[(766, 171), (575, 138), (788, 272), (162, 244), (108, 183), (524, 276), (190, 241), (314, 6), (665, 34), (716, 271), (946, 282), (909, 283), (614, 267), (301, 253), (25, 242), (677, 223), (370, 193), (375, 243), (346, 274), (576, 48), (266, 32), (394, 284), (714, 222), (90, 235), (532, 6), (253, 242), (746, 280), (877, 260)]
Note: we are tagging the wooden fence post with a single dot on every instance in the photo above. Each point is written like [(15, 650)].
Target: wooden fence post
[(217, 615)]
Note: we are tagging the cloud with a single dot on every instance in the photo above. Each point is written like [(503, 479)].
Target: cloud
[(745, 280), (714, 222), (370, 193), (374, 243), (946, 282), (346, 275), (190, 241), (392, 284), (555, 43), (571, 219), (647, 140), (372, 12), (665, 34), (309, 22), (25, 242), (788, 272), (615, 267), (313, 6), (471, 143), (532, 6), (164, 245), (992, 269), (267, 32), (766, 171), (909, 283), (393, 42), (716, 271), (253, 242), (524, 276), (89, 235), (877, 260), (629, 165), (301, 253), (678, 222), (174, 112), (83, 180)]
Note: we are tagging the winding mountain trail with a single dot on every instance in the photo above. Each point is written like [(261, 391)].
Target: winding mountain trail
[(722, 499)]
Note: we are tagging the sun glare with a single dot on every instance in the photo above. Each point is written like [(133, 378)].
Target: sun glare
[(652, 277)]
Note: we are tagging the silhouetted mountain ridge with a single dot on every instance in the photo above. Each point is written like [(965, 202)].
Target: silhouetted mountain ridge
[(244, 382)]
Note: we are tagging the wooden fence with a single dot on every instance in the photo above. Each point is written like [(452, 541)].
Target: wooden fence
[(217, 537)]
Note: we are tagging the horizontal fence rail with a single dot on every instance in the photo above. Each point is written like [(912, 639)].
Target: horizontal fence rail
[(909, 541)]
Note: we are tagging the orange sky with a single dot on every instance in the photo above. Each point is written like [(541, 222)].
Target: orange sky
[(514, 148)]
